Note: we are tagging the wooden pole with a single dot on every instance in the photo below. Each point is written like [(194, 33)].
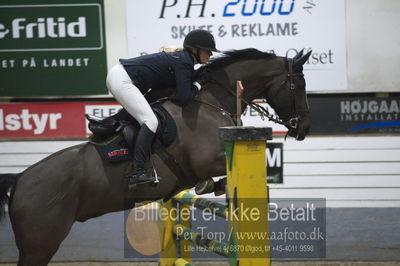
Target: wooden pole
[(201, 203)]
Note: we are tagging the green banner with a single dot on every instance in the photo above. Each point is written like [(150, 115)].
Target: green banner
[(52, 48)]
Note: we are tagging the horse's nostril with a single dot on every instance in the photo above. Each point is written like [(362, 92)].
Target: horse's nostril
[(300, 137)]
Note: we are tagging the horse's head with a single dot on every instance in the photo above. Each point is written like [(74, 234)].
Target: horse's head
[(287, 95), (279, 80)]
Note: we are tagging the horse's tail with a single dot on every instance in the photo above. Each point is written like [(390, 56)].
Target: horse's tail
[(7, 186)]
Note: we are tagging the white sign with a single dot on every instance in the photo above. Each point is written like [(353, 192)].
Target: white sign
[(282, 26), (101, 111), (251, 117)]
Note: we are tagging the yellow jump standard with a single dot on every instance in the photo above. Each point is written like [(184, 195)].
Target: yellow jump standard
[(247, 210), (247, 194)]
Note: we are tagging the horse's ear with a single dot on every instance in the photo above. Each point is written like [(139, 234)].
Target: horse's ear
[(298, 55), (302, 60)]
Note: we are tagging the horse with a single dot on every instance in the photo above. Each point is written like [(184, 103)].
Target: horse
[(75, 184)]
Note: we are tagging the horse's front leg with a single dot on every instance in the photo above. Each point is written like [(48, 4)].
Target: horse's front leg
[(208, 164)]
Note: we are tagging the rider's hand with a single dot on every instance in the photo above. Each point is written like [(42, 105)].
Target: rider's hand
[(194, 93), (204, 77)]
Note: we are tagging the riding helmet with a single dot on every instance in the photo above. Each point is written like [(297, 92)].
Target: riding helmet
[(200, 39)]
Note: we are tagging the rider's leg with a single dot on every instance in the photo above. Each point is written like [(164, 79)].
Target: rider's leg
[(130, 97), (141, 154)]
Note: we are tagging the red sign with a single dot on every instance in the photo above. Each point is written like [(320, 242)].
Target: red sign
[(66, 120), (49, 120)]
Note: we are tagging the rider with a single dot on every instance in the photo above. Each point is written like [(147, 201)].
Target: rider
[(131, 79)]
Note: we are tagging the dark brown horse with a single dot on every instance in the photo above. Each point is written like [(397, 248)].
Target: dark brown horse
[(74, 184)]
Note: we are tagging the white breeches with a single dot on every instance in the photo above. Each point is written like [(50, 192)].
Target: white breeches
[(129, 96)]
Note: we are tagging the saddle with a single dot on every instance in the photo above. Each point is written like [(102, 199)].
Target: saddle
[(114, 136), (114, 139)]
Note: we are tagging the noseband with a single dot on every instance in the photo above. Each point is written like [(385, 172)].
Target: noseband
[(293, 121)]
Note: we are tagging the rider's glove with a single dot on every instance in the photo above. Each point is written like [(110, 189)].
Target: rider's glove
[(194, 93), (204, 77)]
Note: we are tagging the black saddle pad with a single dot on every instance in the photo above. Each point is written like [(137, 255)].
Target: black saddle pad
[(116, 147), (112, 149)]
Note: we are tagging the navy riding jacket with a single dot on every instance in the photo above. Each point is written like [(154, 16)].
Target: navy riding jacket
[(161, 71)]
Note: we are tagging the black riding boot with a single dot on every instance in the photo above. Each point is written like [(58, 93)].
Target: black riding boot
[(141, 154)]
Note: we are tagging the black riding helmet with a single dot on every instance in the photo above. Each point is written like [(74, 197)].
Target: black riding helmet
[(200, 39)]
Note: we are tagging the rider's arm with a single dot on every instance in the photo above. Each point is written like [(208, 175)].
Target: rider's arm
[(186, 91)]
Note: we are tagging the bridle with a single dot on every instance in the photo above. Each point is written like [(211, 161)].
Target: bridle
[(292, 122)]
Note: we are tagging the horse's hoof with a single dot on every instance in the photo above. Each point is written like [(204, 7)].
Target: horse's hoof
[(207, 186), (220, 187)]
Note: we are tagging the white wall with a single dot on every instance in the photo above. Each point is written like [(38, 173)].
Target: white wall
[(373, 45), (116, 40), (347, 171)]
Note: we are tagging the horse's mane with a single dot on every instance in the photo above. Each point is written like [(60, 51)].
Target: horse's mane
[(230, 57)]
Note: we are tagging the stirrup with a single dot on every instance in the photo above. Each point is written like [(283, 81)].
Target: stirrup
[(141, 179)]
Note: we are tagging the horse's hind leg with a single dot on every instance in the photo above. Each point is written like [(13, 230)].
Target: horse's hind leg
[(38, 238)]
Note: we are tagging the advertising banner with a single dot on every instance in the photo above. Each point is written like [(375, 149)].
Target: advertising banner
[(274, 156), (250, 117), (50, 120), (280, 26), (355, 115), (342, 115), (52, 48)]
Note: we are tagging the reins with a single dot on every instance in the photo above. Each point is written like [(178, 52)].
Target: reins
[(262, 111), (220, 109)]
